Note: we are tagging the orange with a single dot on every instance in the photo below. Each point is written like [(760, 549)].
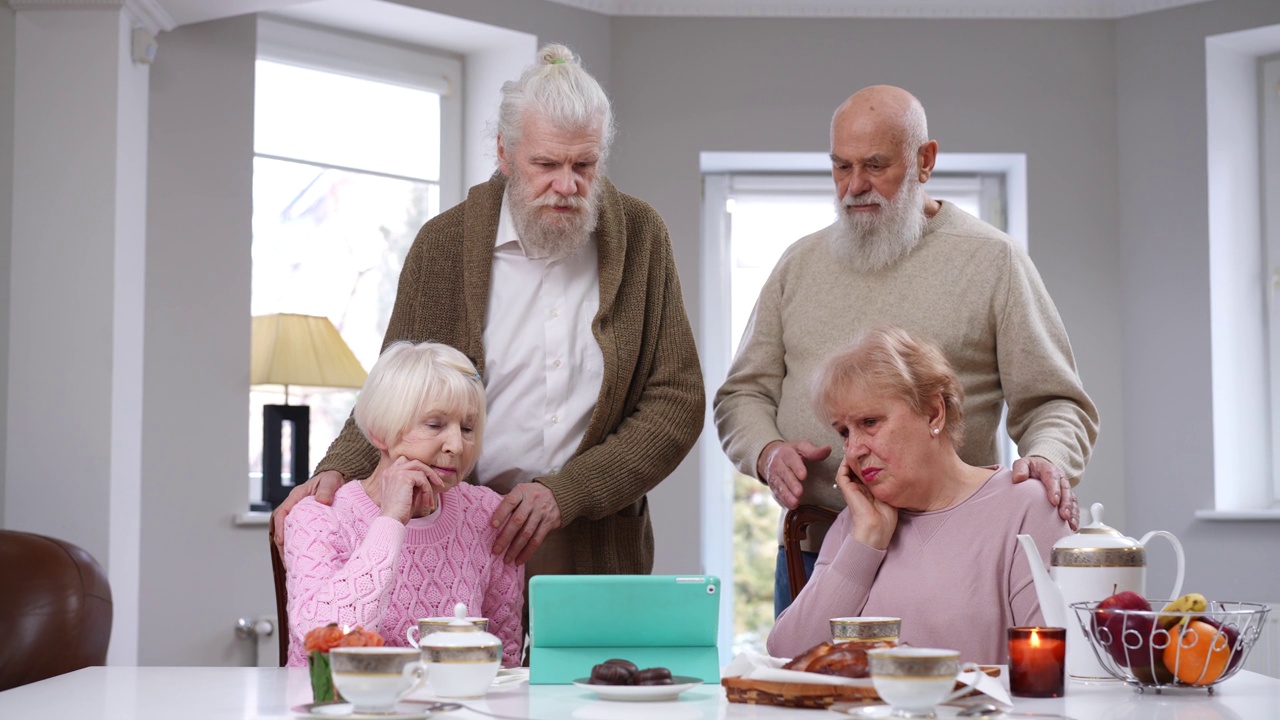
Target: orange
[(1198, 654)]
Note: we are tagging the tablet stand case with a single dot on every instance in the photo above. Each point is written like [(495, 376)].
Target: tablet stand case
[(579, 621)]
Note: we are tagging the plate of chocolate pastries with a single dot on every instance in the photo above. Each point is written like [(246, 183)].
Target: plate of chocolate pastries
[(618, 679)]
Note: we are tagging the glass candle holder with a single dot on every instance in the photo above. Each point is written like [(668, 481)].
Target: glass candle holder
[(1037, 661)]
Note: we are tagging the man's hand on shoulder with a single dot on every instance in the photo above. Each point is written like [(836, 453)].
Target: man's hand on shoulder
[(781, 466), (524, 517), (1056, 486), (322, 487)]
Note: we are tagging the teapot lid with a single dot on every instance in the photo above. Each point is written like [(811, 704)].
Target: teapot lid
[(460, 632), (1097, 534)]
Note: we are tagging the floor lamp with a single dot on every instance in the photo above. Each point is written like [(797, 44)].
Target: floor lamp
[(289, 350)]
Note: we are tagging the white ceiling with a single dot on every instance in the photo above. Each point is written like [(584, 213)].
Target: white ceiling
[(1065, 9), (172, 13)]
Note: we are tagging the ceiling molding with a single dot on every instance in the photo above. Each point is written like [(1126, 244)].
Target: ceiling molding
[(151, 15), (955, 9), (144, 13), (66, 4)]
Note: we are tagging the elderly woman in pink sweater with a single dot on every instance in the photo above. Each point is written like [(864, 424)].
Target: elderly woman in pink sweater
[(924, 537), (411, 540)]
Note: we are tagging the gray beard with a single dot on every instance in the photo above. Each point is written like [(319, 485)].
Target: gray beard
[(544, 234), (869, 243)]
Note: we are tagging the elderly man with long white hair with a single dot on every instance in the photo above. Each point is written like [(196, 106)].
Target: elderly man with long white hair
[(563, 292)]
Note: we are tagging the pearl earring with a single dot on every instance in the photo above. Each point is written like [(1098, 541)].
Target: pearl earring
[(937, 430)]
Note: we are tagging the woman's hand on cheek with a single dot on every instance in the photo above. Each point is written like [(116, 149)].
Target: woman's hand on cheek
[(873, 521), (402, 483)]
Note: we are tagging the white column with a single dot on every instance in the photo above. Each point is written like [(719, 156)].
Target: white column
[(77, 286)]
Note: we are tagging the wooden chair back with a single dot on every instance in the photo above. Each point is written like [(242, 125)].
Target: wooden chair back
[(795, 528), (282, 595)]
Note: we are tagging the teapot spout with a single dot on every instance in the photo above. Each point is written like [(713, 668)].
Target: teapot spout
[(1052, 604)]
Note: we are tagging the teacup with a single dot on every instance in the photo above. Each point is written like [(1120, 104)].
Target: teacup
[(461, 671), (914, 680), (426, 626), (373, 679), (870, 629)]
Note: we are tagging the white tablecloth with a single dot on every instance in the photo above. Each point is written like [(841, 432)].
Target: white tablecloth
[(213, 693)]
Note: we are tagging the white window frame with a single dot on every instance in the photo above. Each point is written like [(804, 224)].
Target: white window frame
[(1269, 98), (378, 60), (714, 338), (1243, 172)]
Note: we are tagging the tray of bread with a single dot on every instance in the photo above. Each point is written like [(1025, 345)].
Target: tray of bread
[(839, 661), (823, 675)]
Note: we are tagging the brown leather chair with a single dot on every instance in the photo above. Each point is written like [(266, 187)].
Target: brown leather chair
[(55, 609), (282, 593), (795, 528)]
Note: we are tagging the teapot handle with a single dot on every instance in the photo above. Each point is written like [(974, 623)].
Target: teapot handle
[(1177, 550)]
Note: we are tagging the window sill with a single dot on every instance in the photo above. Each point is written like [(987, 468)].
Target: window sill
[(255, 518), (1269, 514)]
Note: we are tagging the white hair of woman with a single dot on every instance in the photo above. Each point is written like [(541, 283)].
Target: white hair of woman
[(557, 89)]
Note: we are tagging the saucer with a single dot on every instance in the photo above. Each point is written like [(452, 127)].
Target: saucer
[(511, 676), (874, 712), (640, 693), (402, 711)]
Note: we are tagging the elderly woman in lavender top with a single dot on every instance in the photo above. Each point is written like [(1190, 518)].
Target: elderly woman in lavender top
[(925, 536)]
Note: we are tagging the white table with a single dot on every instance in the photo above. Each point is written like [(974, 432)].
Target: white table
[(212, 693)]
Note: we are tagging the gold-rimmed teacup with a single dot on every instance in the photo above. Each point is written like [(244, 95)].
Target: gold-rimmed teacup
[(913, 681), (373, 679), (869, 629)]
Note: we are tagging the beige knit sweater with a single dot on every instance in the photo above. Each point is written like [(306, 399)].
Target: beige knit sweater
[(966, 287), (651, 405)]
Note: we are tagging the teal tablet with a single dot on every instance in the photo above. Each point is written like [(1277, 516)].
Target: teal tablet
[(579, 621)]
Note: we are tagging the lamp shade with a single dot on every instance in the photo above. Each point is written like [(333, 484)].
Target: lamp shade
[(302, 350)]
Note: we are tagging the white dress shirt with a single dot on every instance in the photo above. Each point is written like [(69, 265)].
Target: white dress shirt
[(543, 367)]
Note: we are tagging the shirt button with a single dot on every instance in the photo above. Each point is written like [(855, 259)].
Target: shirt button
[(557, 363), (555, 313), (555, 419)]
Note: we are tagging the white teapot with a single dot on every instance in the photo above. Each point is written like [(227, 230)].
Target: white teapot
[(1090, 566), (462, 660)]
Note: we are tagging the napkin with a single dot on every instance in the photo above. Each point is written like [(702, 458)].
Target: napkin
[(756, 666)]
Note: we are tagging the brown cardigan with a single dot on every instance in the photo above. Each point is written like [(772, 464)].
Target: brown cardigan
[(651, 405)]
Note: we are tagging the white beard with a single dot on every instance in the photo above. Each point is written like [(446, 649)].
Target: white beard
[(869, 242), (548, 233)]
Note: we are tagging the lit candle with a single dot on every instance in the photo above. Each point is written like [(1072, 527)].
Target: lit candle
[(1037, 661)]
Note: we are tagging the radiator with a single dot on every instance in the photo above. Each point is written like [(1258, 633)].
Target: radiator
[(1265, 657), (261, 632)]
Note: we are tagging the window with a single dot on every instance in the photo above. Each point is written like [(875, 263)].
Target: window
[(356, 146), (755, 206)]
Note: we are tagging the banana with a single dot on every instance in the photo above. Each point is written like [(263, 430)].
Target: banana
[(1189, 603)]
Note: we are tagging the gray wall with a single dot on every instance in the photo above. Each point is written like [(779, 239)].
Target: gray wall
[(195, 563), (7, 51), (1163, 243), (1111, 115), (198, 572), (1044, 88), (588, 33)]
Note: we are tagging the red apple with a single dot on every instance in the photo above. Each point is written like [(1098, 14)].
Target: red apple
[(1127, 636), (1124, 600), (1131, 639)]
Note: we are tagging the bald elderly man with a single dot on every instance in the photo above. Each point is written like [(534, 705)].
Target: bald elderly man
[(896, 256)]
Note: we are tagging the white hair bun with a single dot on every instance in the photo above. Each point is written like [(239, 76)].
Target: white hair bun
[(556, 55)]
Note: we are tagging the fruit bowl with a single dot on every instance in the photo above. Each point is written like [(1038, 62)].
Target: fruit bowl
[(1158, 649)]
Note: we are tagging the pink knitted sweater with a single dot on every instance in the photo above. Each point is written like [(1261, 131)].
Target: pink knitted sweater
[(957, 577), (348, 565)]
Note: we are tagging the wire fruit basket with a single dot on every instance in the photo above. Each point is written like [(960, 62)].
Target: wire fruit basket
[(1160, 650)]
